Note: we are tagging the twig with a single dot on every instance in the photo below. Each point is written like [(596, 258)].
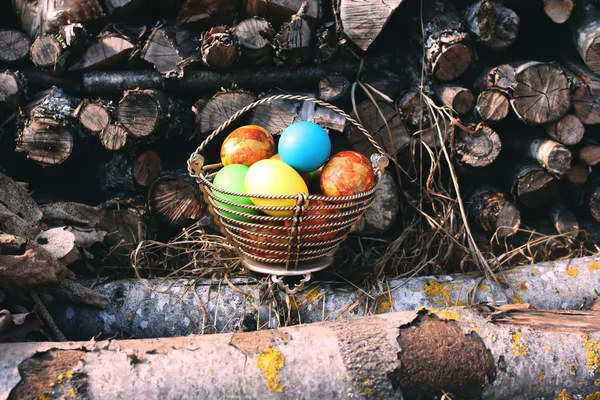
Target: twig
[(42, 311)]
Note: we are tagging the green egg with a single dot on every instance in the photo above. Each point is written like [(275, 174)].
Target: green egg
[(232, 178)]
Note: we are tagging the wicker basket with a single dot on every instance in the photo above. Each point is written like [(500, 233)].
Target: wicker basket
[(286, 246)]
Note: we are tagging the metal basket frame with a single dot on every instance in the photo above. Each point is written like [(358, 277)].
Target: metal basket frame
[(277, 245)]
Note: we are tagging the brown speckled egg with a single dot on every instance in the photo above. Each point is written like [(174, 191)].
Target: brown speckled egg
[(347, 173), (247, 145)]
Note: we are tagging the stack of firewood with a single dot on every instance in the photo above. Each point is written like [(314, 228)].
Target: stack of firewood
[(105, 99)]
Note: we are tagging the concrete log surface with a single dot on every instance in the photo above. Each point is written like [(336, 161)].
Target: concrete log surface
[(158, 308), (482, 352)]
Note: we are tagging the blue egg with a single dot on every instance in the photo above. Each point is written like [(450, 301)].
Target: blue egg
[(304, 146)]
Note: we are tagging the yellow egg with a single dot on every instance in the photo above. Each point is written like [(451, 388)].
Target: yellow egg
[(274, 177)]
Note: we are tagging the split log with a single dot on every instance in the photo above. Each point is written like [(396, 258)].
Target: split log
[(568, 130), (553, 156), (72, 214), (500, 78), (140, 112), (122, 174), (48, 17), (14, 45), (175, 201), (323, 116), (563, 219), (146, 168), (494, 212), (255, 37), (558, 11), (383, 85), (167, 47), (479, 149), (413, 109), (492, 24), (125, 228), (363, 21), (276, 116), (113, 137), (207, 13), (586, 34), (586, 92), (578, 174), (492, 106), (111, 82), (384, 355), (458, 98), (19, 214), (560, 285), (447, 55), (95, 116), (294, 42), (49, 51), (541, 93), (589, 153), (221, 107), (327, 43), (219, 48), (533, 186), (280, 11), (110, 50), (11, 90), (334, 87), (385, 125)]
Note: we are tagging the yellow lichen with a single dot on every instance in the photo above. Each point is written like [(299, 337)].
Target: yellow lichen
[(441, 293), (483, 287), (69, 374), (592, 350), (59, 378), (476, 329), (270, 362), (383, 305), (311, 294), (517, 299), (43, 397), (593, 396), (70, 394), (518, 348), (128, 316), (572, 369), (564, 395), (450, 315), (542, 379), (210, 372), (534, 272), (572, 272), (595, 266), (367, 387), (548, 348), (597, 382)]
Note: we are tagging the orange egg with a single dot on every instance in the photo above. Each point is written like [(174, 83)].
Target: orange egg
[(347, 173), (247, 145)]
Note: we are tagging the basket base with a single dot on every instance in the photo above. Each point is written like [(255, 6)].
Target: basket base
[(304, 268)]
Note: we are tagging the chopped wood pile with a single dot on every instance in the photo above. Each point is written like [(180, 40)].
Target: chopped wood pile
[(102, 101)]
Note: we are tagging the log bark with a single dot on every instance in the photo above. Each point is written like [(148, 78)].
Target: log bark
[(109, 51), (14, 45), (412, 108), (327, 43), (46, 17), (558, 11), (586, 34), (141, 112), (551, 155), (568, 130), (165, 304), (176, 202), (121, 175), (363, 21), (492, 106), (454, 351), (167, 47), (492, 24), (123, 8), (563, 219), (589, 153), (219, 48), (586, 92), (541, 93), (255, 37), (207, 13), (500, 78), (384, 123), (533, 186), (494, 212), (447, 54), (334, 88), (294, 42), (11, 90), (113, 137), (280, 11), (479, 149), (221, 107), (146, 168), (105, 82), (458, 98), (95, 116)]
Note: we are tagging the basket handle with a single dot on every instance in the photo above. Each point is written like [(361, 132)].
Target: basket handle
[(192, 163)]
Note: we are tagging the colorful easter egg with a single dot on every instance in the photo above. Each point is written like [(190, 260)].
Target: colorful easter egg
[(305, 146), (232, 178), (247, 145), (347, 173)]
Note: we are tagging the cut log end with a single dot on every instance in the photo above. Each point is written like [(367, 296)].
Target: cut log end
[(175, 201), (479, 149), (533, 186), (146, 168), (558, 11), (14, 45), (459, 98), (541, 94), (492, 106), (46, 142), (578, 175), (255, 38), (452, 62), (492, 24), (107, 52), (221, 107), (113, 137), (568, 130), (140, 112), (10, 90), (46, 52), (219, 48), (564, 220), (495, 213), (555, 157), (589, 154), (94, 117), (334, 87)]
